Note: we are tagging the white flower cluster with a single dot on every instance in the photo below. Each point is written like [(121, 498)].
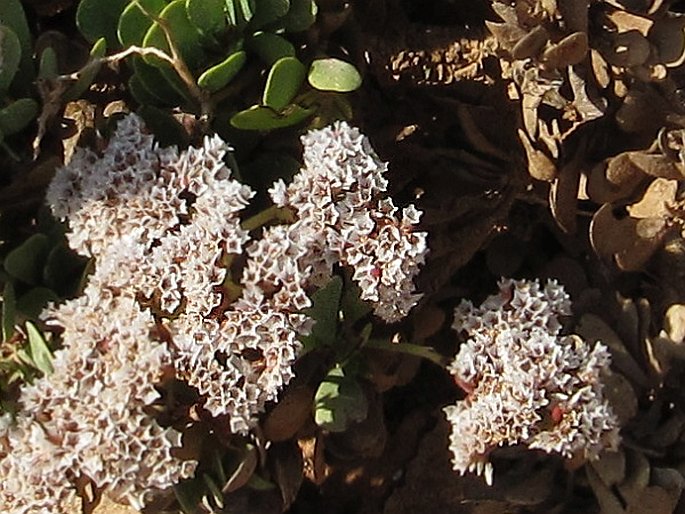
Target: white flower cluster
[(161, 225), (341, 219), (525, 383)]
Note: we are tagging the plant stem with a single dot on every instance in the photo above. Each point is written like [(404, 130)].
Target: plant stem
[(262, 218), (425, 352)]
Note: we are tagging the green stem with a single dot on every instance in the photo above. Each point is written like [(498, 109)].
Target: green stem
[(262, 218), (425, 352)]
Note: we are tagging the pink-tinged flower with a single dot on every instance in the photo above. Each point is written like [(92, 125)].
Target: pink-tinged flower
[(525, 383)]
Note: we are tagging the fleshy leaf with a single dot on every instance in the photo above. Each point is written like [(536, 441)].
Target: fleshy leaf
[(270, 47), (12, 16), (168, 131), (334, 75), (284, 81), (87, 76), (31, 303), (339, 401), (268, 12), (26, 262), (324, 311), (207, 15), (259, 117), (134, 23), (301, 15), (40, 352), (9, 304), (216, 77), (18, 115), (185, 35), (48, 67), (10, 56), (97, 18)]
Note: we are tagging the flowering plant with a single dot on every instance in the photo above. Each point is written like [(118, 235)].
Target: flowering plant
[(525, 383), (164, 230)]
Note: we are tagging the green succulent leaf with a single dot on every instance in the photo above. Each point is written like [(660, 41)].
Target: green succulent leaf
[(48, 67), (245, 10), (185, 36), (353, 307), (17, 115), (156, 84), (168, 131), (9, 311), (339, 401), (134, 22), (40, 351), (189, 495), (284, 81), (12, 15), (10, 56), (87, 76), (324, 311), (301, 16), (334, 75), (219, 75), (231, 15), (62, 269), (259, 117), (207, 15), (97, 18), (26, 261), (140, 93), (270, 47), (268, 12), (32, 303)]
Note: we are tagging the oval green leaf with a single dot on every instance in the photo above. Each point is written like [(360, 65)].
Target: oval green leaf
[(32, 303), (284, 81), (18, 115), (48, 67), (270, 47), (268, 12), (155, 83), (88, 74), (9, 308), (207, 15), (185, 36), (259, 117), (40, 352), (10, 56), (245, 10), (339, 401), (301, 16), (219, 75), (134, 23), (26, 262), (167, 130), (98, 18), (334, 75), (12, 15)]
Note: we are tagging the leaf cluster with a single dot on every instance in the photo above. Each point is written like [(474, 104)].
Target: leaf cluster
[(210, 56)]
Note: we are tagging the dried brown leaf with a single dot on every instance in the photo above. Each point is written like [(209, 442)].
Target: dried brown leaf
[(530, 44), (569, 51), (593, 328), (656, 165), (289, 414), (615, 179), (563, 197), (626, 49), (668, 36), (610, 467), (540, 166), (656, 199)]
